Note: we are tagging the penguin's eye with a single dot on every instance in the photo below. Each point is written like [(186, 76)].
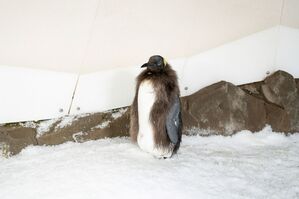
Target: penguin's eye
[(160, 64)]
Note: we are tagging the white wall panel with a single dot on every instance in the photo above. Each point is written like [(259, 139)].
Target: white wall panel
[(110, 89), (288, 50), (28, 94), (104, 90), (178, 65), (242, 61)]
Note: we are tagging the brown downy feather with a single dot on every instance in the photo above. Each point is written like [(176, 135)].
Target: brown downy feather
[(166, 87)]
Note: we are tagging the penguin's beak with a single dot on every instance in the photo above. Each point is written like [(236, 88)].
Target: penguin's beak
[(144, 65)]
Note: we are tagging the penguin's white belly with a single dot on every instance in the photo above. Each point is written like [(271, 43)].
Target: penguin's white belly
[(145, 139)]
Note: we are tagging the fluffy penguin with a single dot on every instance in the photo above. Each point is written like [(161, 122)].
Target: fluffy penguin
[(156, 123)]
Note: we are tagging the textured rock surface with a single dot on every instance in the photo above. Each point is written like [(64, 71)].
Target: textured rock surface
[(276, 116), (223, 108), (281, 89), (254, 89), (90, 127), (13, 138)]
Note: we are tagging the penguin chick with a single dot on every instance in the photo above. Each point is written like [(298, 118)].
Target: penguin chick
[(156, 123)]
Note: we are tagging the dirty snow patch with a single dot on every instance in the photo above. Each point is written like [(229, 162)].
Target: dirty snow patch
[(102, 125), (29, 124), (78, 137), (119, 113), (44, 126), (66, 121)]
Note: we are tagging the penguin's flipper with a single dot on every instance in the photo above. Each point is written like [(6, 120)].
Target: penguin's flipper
[(173, 122)]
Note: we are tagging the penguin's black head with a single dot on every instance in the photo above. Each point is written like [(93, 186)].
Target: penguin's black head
[(155, 63)]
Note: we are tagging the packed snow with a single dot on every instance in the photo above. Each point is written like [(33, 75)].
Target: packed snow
[(246, 165)]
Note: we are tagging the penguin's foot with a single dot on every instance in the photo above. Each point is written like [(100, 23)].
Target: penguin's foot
[(162, 152)]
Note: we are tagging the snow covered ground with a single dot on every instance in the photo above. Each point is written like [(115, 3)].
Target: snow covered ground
[(246, 165)]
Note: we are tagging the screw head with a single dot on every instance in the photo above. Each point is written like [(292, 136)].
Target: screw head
[(186, 88), (61, 110), (78, 108), (268, 73)]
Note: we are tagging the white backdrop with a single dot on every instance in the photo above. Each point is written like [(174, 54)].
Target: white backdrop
[(29, 94), (242, 61)]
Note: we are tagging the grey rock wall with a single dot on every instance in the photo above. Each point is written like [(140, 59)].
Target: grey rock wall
[(13, 138), (219, 109), (223, 108)]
